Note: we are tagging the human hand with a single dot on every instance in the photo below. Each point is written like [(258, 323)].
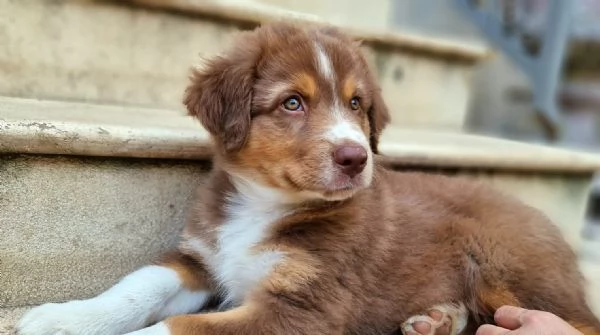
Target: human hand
[(518, 321)]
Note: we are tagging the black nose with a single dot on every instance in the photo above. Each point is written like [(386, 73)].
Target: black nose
[(351, 159)]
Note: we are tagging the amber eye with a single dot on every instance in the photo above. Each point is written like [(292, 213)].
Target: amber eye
[(293, 104), (355, 103)]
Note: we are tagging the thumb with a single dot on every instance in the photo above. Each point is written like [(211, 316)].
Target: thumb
[(510, 317), (491, 330)]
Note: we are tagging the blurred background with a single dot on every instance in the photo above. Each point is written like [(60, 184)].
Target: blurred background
[(542, 83), (98, 161)]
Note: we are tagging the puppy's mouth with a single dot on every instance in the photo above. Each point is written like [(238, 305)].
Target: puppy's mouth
[(337, 187), (341, 186), (332, 182), (342, 182)]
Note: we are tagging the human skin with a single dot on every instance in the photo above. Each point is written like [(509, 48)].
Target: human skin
[(519, 321)]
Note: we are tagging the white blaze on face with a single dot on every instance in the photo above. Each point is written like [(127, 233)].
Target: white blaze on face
[(343, 131), (325, 65), (346, 131), (343, 128)]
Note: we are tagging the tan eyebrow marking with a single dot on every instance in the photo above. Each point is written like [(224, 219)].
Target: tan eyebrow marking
[(306, 84), (349, 88)]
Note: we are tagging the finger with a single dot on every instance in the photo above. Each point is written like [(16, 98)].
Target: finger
[(510, 317), (491, 330)]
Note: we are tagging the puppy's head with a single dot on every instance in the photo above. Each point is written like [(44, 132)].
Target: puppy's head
[(294, 109)]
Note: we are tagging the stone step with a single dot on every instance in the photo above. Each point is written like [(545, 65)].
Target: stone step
[(8, 318), (81, 51), (95, 191), (339, 12)]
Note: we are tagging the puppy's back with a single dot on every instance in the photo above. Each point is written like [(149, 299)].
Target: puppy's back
[(501, 251)]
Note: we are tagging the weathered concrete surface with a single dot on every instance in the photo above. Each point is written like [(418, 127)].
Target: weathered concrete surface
[(256, 12), (342, 12), (71, 226), (468, 151), (68, 128), (53, 190), (105, 52), (101, 52), (77, 224), (58, 127), (423, 92), (8, 319)]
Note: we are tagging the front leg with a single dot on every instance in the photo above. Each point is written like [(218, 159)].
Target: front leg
[(177, 285), (251, 319), (293, 300)]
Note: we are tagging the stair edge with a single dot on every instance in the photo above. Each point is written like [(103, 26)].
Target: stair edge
[(256, 14), (43, 127)]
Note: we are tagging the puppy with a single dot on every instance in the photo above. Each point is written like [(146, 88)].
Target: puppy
[(300, 231)]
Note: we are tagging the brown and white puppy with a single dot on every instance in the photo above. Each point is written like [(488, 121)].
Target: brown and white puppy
[(300, 231)]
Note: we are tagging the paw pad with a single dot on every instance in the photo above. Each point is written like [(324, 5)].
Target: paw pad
[(439, 320)]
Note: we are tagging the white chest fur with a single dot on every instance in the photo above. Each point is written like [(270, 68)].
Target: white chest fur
[(238, 265), (236, 262)]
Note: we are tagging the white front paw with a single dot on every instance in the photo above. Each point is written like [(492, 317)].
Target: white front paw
[(79, 317), (158, 329)]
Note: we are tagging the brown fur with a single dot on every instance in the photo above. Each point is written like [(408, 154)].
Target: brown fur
[(388, 250), (190, 271)]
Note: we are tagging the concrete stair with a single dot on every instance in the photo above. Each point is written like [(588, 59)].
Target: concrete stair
[(95, 191), (137, 53), (98, 161)]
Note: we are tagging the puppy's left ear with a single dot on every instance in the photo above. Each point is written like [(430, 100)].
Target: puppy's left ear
[(220, 96), (378, 113), (379, 117)]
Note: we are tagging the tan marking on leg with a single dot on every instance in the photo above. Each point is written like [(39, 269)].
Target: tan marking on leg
[(192, 274), (292, 275), (494, 298), (269, 309), (234, 321), (585, 329)]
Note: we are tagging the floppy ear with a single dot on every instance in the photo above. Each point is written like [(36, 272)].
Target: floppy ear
[(378, 113), (379, 117), (220, 96)]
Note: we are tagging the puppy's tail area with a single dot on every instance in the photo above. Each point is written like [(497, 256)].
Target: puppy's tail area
[(484, 297)]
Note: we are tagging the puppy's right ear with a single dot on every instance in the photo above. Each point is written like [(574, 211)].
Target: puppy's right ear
[(220, 96)]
